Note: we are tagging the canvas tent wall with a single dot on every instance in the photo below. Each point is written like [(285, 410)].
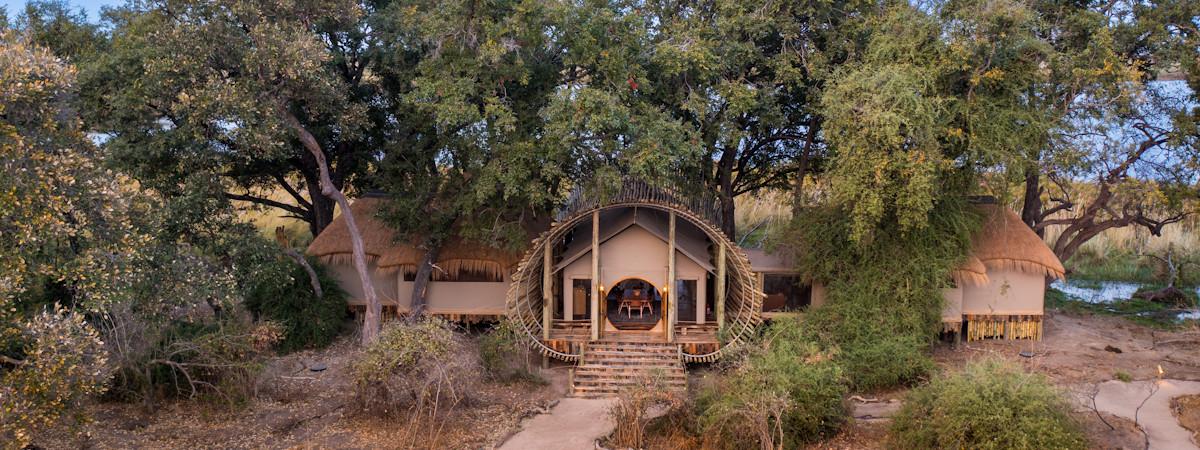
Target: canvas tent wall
[(633, 245)]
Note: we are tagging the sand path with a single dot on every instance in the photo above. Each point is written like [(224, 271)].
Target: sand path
[(1149, 404), (574, 423)]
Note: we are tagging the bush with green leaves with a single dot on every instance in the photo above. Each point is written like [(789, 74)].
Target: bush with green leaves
[(989, 405), (286, 297), (884, 295), (786, 393), (505, 353), (424, 366), (50, 365)]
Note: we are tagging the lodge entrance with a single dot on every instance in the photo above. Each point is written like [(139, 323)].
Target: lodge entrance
[(633, 304)]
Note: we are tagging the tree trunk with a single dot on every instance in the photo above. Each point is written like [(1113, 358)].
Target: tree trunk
[(798, 200), (420, 297), (1031, 210), (321, 213), (374, 309), (810, 138), (725, 193)]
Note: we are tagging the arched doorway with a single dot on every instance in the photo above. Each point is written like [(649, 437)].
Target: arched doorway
[(633, 304)]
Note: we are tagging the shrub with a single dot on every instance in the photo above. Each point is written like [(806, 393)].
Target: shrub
[(218, 359), (884, 361), (884, 294), (421, 366), (288, 299), (629, 412), (787, 393), (51, 364), (989, 405), (505, 353)]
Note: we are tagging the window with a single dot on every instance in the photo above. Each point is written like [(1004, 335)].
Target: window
[(685, 299), (785, 293), (581, 298)]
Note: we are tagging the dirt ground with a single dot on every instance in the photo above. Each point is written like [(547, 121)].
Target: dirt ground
[(301, 408), (1187, 410)]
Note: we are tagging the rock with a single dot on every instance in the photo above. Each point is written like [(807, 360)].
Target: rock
[(318, 367), (1109, 348), (1026, 354)]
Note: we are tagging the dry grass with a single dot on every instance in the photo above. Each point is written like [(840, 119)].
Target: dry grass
[(760, 215), (267, 219)]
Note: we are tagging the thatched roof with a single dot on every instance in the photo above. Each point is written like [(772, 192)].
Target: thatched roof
[(1005, 242), (972, 271), (380, 241), (333, 244), (456, 255)]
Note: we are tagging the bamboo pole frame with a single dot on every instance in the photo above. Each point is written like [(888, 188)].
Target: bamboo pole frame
[(547, 291), (596, 291), (672, 305), (742, 310), (719, 297)]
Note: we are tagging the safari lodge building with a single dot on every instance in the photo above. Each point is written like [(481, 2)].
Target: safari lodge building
[(645, 277)]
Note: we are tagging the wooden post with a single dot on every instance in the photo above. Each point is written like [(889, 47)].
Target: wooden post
[(670, 306), (547, 293), (595, 324), (719, 298)]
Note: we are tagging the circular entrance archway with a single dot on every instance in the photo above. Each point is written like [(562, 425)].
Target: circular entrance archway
[(743, 300), (633, 304)]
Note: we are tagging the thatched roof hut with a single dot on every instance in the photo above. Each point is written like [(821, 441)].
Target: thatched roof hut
[(970, 272), (1005, 242), (333, 246), (383, 248)]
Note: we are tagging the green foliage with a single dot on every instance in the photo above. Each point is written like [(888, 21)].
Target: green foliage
[(930, 102), (884, 297), (1123, 376), (990, 405), (505, 353), (471, 157), (50, 365), (287, 298), (422, 366), (787, 392)]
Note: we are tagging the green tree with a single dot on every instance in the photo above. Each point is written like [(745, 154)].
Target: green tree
[(718, 95), (262, 90), (54, 205), (53, 25), (935, 98), (470, 80), (159, 126), (1127, 147)]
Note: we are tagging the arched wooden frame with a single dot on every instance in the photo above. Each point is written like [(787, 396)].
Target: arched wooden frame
[(742, 306)]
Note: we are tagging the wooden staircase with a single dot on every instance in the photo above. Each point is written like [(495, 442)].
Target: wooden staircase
[(609, 367)]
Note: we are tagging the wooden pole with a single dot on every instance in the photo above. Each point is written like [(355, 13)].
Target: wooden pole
[(595, 325), (670, 306), (547, 293), (719, 298)]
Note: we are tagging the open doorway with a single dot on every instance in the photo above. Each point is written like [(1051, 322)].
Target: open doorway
[(634, 304)]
